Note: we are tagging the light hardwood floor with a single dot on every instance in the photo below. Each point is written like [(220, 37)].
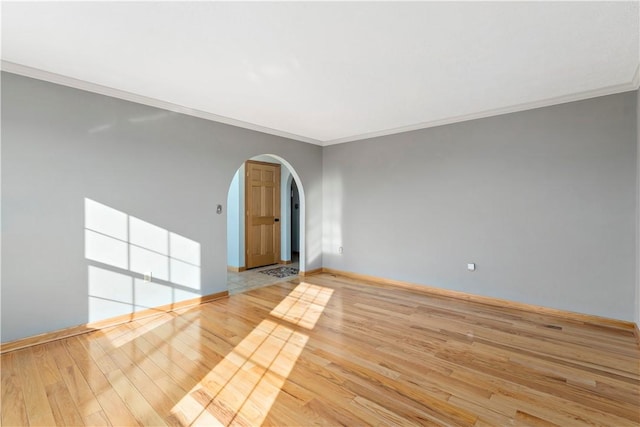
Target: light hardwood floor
[(332, 351)]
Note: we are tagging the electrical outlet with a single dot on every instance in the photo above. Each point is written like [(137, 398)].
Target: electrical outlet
[(471, 267), (340, 250)]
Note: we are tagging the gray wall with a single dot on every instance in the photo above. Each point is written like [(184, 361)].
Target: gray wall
[(62, 145), (637, 318), (543, 201)]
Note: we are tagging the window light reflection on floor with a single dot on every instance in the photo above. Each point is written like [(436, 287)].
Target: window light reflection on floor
[(244, 385), (304, 305)]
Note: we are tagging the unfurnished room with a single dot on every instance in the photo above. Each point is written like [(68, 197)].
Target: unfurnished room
[(320, 213)]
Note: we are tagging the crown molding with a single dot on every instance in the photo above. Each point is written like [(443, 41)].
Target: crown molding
[(23, 70), (36, 73), (610, 90)]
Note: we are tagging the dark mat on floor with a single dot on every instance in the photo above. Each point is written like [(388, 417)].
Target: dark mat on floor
[(281, 272)]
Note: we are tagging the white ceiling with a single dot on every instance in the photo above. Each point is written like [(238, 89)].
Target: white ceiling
[(330, 72)]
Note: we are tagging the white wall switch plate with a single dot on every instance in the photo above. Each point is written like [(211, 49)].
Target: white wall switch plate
[(471, 267)]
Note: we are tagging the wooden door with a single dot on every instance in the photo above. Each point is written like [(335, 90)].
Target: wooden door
[(262, 213)]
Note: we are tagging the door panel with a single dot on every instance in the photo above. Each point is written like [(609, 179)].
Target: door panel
[(262, 225)]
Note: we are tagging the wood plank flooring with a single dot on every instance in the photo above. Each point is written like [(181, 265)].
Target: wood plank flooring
[(329, 350)]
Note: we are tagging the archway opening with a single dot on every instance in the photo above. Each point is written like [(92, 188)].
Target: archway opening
[(292, 228)]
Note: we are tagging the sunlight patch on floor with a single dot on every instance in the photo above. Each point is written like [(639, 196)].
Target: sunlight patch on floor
[(245, 384), (304, 305)]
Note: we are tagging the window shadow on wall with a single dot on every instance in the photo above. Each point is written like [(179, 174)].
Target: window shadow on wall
[(135, 265)]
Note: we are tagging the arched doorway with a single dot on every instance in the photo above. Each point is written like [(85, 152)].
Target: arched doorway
[(292, 229)]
